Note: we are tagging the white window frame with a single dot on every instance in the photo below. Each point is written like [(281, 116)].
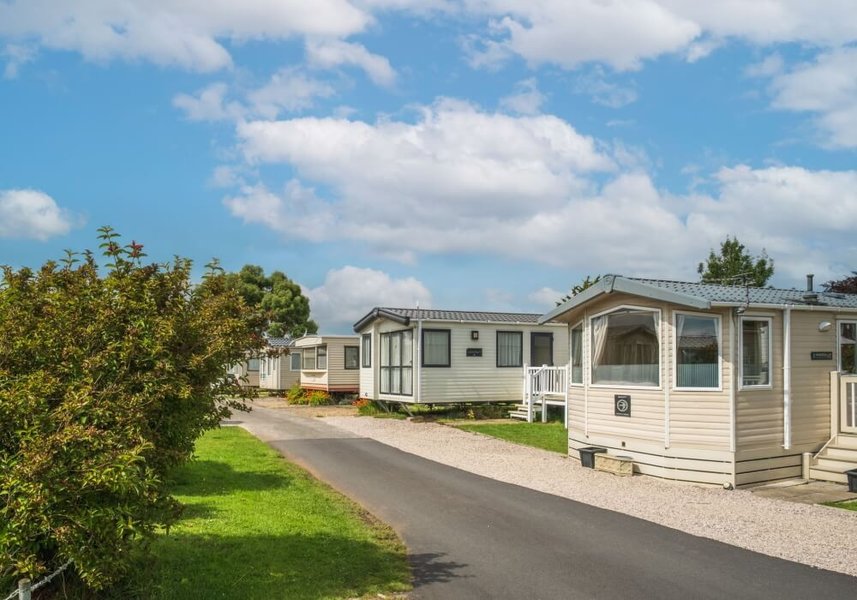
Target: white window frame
[(625, 386), (322, 348), (839, 323), (366, 351), (719, 318), (740, 361), (582, 326)]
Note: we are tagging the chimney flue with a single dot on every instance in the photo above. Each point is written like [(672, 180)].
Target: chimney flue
[(809, 282)]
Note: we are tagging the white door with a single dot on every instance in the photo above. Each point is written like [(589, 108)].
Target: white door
[(848, 367)]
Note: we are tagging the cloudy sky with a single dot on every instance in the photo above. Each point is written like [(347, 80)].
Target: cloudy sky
[(463, 154)]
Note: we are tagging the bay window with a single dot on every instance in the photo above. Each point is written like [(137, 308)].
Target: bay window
[(626, 348)]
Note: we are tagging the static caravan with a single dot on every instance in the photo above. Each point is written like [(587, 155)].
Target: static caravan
[(280, 365), (415, 356), (329, 363), (714, 384), (247, 372)]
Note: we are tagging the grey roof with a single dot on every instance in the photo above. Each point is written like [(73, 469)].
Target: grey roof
[(704, 295), (279, 342), (405, 315)]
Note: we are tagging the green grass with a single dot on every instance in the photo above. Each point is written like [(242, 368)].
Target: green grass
[(547, 436), (847, 505), (256, 526)]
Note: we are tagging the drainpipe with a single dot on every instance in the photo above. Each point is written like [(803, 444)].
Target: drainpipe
[(733, 382), (665, 379), (787, 377), (418, 369)]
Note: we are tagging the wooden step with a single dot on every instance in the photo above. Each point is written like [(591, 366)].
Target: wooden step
[(834, 463), (840, 453), (823, 474), (846, 441)]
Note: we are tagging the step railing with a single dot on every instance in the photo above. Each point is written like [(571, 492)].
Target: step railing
[(539, 383)]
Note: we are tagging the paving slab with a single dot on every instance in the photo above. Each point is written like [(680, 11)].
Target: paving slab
[(806, 492)]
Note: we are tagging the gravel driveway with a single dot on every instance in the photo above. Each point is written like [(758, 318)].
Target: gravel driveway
[(815, 535)]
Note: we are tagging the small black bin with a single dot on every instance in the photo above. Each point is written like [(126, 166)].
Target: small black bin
[(852, 480), (587, 456)]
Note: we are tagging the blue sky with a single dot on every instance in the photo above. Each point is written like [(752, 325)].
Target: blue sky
[(463, 154)]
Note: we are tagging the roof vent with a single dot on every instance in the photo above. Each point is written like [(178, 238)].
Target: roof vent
[(809, 282)]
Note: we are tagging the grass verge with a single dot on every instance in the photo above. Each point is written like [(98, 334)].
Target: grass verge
[(847, 505), (257, 526), (547, 436)]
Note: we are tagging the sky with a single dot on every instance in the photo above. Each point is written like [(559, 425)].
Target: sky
[(455, 154)]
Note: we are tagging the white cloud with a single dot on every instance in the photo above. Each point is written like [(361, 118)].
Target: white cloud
[(182, 33), (459, 180), (546, 297), (623, 34), (288, 90), (208, 104), (31, 214), (328, 54), (347, 294), (601, 91), (526, 100), (16, 56), (827, 87), (296, 212)]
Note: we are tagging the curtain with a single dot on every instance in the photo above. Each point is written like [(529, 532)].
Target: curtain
[(509, 349), (697, 351), (436, 348), (577, 355)]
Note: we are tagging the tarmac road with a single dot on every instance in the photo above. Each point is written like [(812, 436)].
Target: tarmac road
[(470, 537)]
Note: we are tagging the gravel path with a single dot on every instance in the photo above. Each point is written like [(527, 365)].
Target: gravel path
[(815, 535)]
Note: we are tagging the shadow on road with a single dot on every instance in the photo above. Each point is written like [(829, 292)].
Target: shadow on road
[(427, 569)]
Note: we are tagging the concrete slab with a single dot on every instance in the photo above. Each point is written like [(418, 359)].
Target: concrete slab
[(812, 492)]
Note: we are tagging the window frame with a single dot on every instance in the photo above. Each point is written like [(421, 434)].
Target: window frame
[(582, 325), (250, 368), (533, 336), (308, 354), (400, 367), (448, 348), (292, 356), (520, 335), (770, 322), (345, 350), (839, 324), (366, 351), (319, 352), (626, 386), (719, 319)]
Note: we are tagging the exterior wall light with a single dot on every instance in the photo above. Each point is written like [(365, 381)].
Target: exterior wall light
[(474, 335), (825, 326)]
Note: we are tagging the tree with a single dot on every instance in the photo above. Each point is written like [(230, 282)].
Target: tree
[(735, 266), (277, 299), (106, 381), (846, 285), (586, 283)]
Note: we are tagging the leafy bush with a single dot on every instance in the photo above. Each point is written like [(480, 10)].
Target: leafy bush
[(106, 381), (295, 395), (318, 398), (366, 407)]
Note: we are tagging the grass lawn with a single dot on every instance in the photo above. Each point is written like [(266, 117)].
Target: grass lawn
[(548, 436), (256, 526)]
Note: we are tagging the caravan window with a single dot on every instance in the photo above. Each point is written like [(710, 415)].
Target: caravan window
[(510, 349), (397, 359), (626, 348), (697, 351), (755, 352), (577, 353)]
